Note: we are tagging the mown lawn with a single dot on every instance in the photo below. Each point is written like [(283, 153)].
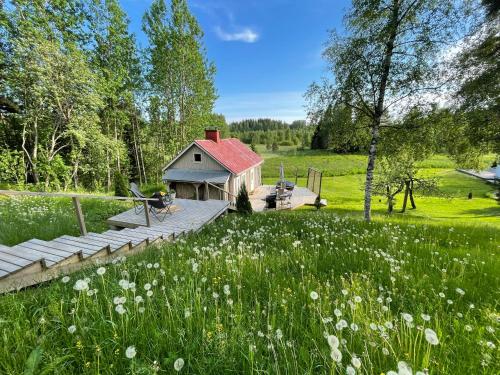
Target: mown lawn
[(286, 292), (344, 180)]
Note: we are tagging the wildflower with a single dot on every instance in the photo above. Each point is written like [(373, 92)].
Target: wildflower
[(389, 325), (490, 329), (226, 290), (341, 324), (72, 329), (490, 345), (336, 355), (373, 326), (141, 309), (441, 294), (350, 370), (215, 295), (65, 279), (333, 341), (124, 284), (354, 327), (178, 364), (120, 309), (468, 328), (138, 299), (101, 271), (314, 296), (357, 299), (149, 293), (460, 291), (356, 362), (337, 312), (431, 336), (407, 317), (81, 285), (385, 351), (426, 317), (279, 334), (404, 368), (130, 352), (147, 286)]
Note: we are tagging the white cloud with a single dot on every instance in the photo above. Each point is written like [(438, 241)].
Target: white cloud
[(246, 35)]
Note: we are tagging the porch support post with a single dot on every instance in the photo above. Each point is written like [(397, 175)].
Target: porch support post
[(207, 192), (196, 186)]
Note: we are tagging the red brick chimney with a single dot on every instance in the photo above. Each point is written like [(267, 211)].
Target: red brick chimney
[(212, 135)]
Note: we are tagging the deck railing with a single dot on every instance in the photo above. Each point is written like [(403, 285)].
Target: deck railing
[(76, 203), (231, 203)]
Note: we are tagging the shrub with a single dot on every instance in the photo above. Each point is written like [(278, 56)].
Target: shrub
[(243, 204), (121, 185), (275, 146)]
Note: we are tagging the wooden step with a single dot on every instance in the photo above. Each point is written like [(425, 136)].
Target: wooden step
[(153, 231), (138, 236), (89, 248), (74, 241), (152, 235), (86, 252), (135, 241), (6, 256), (35, 255), (42, 246), (113, 243)]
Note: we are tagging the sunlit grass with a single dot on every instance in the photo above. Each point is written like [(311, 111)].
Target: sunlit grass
[(261, 294)]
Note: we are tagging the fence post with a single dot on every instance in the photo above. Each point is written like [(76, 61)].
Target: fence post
[(79, 215), (146, 212)]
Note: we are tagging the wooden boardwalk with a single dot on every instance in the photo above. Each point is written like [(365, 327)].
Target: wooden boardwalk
[(35, 261), (300, 196)]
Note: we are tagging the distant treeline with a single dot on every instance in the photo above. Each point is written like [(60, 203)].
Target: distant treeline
[(272, 133)]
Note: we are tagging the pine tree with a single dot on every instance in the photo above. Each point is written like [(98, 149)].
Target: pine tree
[(243, 204)]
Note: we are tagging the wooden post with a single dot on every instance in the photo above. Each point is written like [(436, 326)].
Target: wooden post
[(79, 215), (207, 196), (146, 212)]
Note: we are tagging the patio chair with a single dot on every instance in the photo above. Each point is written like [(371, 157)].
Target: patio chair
[(136, 193), (161, 206), (282, 195)]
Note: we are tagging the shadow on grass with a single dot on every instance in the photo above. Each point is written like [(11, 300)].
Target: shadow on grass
[(485, 212)]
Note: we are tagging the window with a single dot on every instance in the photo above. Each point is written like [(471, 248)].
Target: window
[(197, 158)]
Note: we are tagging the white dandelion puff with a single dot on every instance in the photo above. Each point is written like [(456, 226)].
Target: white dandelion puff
[(314, 295), (130, 352), (431, 336), (178, 364)]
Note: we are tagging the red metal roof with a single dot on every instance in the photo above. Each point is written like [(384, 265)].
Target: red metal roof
[(231, 153)]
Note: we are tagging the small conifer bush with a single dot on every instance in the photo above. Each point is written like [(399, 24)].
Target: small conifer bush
[(243, 204), (121, 185)]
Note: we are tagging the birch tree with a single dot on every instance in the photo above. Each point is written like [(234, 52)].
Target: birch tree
[(387, 58)]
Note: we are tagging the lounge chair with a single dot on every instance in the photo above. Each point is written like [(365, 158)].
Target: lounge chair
[(160, 207)]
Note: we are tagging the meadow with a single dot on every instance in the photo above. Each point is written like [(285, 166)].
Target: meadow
[(286, 292), (307, 291)]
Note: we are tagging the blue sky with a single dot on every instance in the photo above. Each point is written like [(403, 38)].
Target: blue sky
[(267, 52)]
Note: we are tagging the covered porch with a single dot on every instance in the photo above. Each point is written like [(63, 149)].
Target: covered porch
[(197, 184)]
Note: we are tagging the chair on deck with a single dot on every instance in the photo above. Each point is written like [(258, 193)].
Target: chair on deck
[(159, 207)]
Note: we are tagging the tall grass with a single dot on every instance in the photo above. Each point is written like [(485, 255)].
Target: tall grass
[(272, 293), (24, 218)]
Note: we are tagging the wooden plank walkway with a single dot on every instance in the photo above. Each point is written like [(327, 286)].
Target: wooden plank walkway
[(35, 261)]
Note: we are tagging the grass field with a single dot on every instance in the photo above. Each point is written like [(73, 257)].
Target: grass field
[(344, 181), (301, 292), (287, 292)]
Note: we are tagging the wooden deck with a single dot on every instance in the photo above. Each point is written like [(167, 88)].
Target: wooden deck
[(35, 261), (300, 196)]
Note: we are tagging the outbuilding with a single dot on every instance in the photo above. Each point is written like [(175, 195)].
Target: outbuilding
[(213, 168)]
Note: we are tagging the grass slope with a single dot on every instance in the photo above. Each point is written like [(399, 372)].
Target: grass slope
[(24, 218), (261, 294)]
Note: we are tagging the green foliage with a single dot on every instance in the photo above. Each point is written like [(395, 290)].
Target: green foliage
[(275, 146), (12, 167), (121, 184), (243, 204)]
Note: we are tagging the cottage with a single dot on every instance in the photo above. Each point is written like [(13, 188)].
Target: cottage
[(213, 168)]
